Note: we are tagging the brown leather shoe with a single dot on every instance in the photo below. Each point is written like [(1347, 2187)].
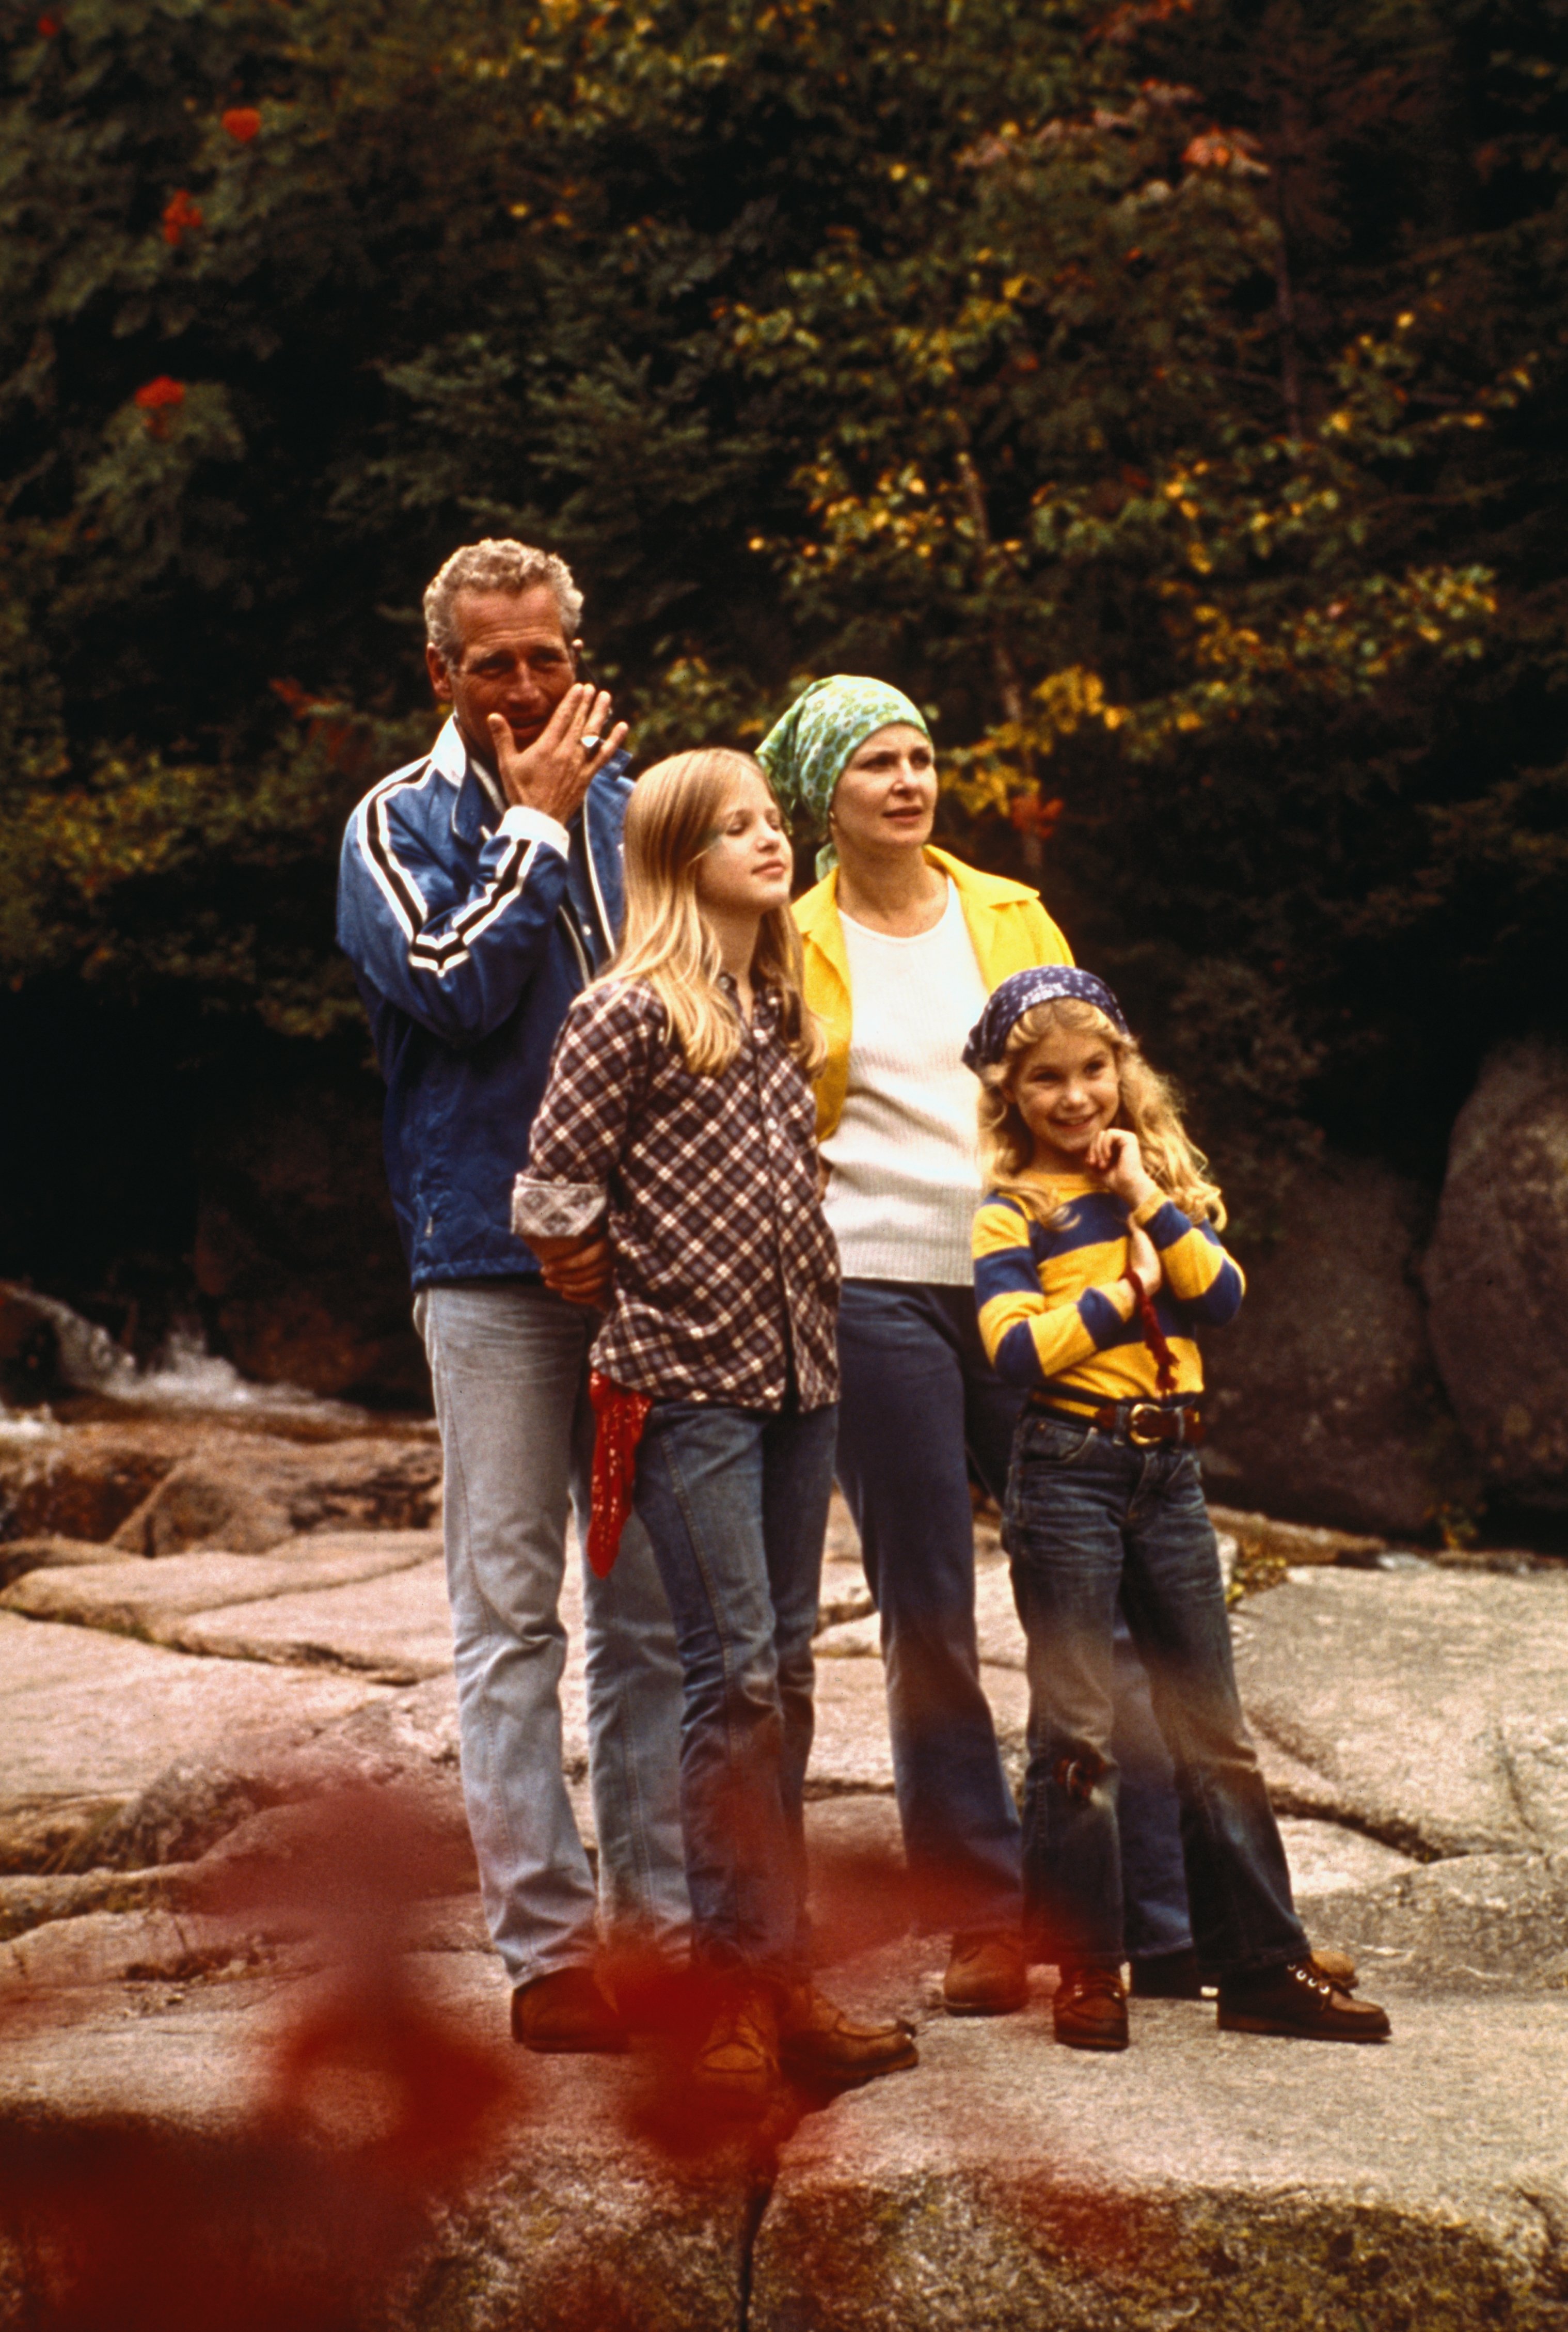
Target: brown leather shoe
[(736, 2069), (987, 1975), (1090, 2008), (1299, 2003), (568, 2013), (818, 2043), (1176, 1975)]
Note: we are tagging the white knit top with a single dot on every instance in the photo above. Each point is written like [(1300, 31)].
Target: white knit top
[(905, 1186)]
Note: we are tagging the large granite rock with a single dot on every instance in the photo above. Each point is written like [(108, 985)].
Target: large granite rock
[(297, 1253), (1324, 1401), (81, 1481), (1202, 2178), (18, 1557), (1473, 1924), (1248, 2184), (131, 1597), (246, 1492), (1425, 1707), (29, 1348), (177, 2138), (88, 1721), (1496, 1272), (372, 1599)]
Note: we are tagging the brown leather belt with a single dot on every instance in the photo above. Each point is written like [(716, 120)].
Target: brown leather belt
[(1142, 1422)]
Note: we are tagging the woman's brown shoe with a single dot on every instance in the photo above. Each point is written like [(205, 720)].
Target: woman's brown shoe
[(1090, 2008), (987, 1975), (1300, 2002)]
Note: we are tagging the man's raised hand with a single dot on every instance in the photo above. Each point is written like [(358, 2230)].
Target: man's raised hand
[(555, 772)]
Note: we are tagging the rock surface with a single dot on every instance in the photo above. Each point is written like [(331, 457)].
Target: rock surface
[(193, 1751), (132, 1597), (83, 1481), (1203, 2177), (89, 1720), (246, 1492), (1325, 1400), (296, 1249), (1423, 1706), (1496, 1272)]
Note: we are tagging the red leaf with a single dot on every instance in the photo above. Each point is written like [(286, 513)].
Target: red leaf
[(152, 394), (180, 215)]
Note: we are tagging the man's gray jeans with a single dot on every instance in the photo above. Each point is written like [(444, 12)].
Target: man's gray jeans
[(509, 1363)]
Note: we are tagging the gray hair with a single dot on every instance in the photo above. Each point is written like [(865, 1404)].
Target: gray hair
[(495, 566)]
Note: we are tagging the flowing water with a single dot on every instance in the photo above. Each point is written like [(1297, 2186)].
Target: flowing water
[(181, 1379)]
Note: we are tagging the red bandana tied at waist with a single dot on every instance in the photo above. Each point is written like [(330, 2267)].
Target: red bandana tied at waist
[(621, 1415)]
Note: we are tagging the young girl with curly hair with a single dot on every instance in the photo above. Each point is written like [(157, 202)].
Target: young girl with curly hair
[(1096, 1257)]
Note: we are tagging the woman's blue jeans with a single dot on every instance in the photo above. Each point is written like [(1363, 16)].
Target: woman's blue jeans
[(1087, 1516), (921, 1403), (735, 1503)]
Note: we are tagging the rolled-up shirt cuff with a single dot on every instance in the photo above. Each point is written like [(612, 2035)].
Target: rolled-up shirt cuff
[(555, 1209), (530, 824)]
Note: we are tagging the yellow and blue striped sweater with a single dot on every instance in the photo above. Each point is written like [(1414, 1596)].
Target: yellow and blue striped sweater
[(1056, 1312)]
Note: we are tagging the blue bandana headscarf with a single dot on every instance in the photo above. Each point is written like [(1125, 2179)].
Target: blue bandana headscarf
[(1044, 984), (804, 753)]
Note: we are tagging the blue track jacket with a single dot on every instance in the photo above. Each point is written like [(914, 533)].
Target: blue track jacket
[(471, 927)]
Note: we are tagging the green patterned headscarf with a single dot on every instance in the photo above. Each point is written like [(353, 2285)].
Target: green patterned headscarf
[(804, 752)]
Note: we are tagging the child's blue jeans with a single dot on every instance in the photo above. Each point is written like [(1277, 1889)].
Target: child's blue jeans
[(1089, 1517), (735, 1502)]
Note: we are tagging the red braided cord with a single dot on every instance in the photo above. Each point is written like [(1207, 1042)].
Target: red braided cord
[(1153, 1336)]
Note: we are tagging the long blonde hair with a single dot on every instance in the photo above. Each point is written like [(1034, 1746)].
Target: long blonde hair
[(674, 810), (1148, 1108)]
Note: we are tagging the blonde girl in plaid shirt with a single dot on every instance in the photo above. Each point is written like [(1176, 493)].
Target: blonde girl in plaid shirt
[(679, 1122)]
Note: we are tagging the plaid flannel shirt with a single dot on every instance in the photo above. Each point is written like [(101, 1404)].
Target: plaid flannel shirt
[(725, 1270)]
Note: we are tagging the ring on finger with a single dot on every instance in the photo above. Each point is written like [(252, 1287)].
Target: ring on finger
[(589, 743)]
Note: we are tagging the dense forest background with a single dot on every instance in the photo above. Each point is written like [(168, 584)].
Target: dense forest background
[(1169, 395)]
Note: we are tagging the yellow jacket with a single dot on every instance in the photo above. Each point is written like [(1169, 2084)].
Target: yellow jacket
[(1007, 923)]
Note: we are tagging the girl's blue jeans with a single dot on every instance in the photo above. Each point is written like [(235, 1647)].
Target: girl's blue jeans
[(735, 1503), (1089, 1517)]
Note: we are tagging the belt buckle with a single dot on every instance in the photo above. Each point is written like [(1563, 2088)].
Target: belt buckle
[(1142, 1439)]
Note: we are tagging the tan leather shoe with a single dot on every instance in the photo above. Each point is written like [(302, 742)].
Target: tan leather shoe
[(1090, 2008), (1298, 2002), (818, 2041), (736, 2069), (987, 1975), (568, 2013)]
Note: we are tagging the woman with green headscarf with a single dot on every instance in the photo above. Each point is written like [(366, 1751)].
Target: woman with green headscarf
[(902, 945)]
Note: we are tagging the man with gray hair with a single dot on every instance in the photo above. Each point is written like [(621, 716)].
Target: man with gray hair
[(480, 890)]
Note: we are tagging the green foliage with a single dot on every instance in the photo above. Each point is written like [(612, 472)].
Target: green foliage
[(1169, 395)]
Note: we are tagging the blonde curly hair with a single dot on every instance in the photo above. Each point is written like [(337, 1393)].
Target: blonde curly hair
[(1148, 1110)]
